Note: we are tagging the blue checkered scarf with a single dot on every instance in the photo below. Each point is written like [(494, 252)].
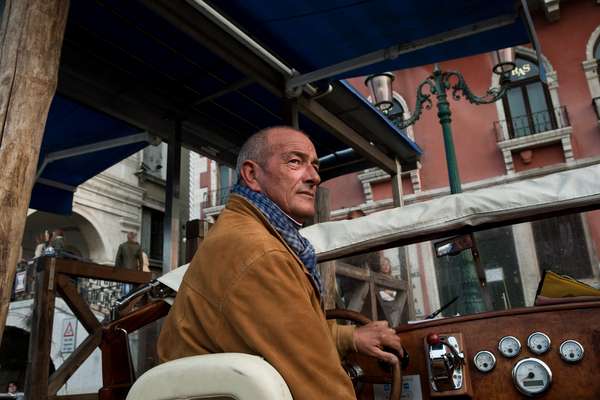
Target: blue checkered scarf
[(286, 227)]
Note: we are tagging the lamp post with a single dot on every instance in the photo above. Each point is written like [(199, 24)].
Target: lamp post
[(438, 84)]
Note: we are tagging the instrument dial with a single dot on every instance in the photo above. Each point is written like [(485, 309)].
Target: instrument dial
[(538, 343), (571, 351), (509, 346), (531, 376), (484, 361)]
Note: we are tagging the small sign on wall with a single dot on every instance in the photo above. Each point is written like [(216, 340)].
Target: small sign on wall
[(69, 335), (20, 281), (494, 274)]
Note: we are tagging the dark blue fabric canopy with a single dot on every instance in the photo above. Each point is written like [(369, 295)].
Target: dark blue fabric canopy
[(128, 50), (309, 35), (78, 144)]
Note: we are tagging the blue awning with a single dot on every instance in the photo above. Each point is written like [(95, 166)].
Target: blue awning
[(78, 143), (131, 57), (310, 35)]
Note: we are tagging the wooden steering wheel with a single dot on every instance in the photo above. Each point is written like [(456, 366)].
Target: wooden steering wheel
[(365, 368)]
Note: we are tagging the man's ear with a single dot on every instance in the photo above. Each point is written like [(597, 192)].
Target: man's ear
[(248, 174)]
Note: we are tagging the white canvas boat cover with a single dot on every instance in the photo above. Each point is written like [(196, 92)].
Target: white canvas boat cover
[(576, 189)]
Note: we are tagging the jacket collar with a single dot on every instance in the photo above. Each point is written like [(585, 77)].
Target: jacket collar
[(240, 205)]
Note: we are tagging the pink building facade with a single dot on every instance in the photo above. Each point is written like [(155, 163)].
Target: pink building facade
[(539, 128)]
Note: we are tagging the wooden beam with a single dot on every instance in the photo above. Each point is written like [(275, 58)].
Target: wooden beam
[(38, 361), (71, 364), (364, 274), (95, 271), (346, 134), (85, 396), (30, 46), (80, 308)]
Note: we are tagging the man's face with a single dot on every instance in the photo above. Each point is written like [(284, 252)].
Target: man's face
[(12, 388), (290, 174)]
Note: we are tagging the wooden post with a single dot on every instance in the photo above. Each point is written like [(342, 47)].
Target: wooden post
[(397, 185), (327, 268), (399, 202), (30, 43), (171, 229), (194, 235), (40, 340)]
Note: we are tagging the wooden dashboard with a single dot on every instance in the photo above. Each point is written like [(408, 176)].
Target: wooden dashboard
[(576, 321)]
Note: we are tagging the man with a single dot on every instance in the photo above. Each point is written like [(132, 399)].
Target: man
[(57, 242), (129, 255), (13, 390), (253, 286)]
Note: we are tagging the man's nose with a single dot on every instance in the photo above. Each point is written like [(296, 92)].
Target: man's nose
[(312, 175)]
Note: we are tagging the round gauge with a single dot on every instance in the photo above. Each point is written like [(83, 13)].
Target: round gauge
[(531, 376), (538, 343), (571, 351), (484, 361), (509, 346)]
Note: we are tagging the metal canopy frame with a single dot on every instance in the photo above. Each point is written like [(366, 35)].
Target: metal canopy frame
[(299, 80), (92, 148), (221, 37), (89, 79)]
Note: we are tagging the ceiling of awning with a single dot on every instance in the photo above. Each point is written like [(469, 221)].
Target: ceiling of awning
[(146, 64), (78, 143), (310, 35), (130, 60)]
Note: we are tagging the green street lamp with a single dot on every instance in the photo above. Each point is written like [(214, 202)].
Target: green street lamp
[(438, 84)]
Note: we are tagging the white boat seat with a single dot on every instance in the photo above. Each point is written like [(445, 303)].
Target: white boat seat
[(212, 376)]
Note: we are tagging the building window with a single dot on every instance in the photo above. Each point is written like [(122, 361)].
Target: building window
[(560, 244), (152, 234), (499, 260), (597, 52), (527, 104), (399, 112), (396, 111)]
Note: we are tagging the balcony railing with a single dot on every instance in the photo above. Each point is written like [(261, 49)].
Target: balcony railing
[(530, 124), (214, 198), (596, 105)]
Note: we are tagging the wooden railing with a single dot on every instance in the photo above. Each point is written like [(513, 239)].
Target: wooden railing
[(52, 276)]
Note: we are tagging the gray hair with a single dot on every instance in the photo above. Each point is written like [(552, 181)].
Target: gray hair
[(257, 148), (253, 149)]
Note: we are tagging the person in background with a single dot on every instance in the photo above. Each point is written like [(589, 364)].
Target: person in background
[(13, 390), (57, 241), (386, 268), (129, 256), (145, 262), (42, 242)]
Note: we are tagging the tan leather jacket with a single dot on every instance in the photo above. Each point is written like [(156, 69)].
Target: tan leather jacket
[(246, 291)]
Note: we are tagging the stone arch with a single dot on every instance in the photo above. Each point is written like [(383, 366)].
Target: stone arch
[(81, 235), (591, 43), (14, 351), (406, 115), (590, 66), (100, 250)]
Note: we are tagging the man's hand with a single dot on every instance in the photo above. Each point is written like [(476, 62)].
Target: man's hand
[(371, 338)]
